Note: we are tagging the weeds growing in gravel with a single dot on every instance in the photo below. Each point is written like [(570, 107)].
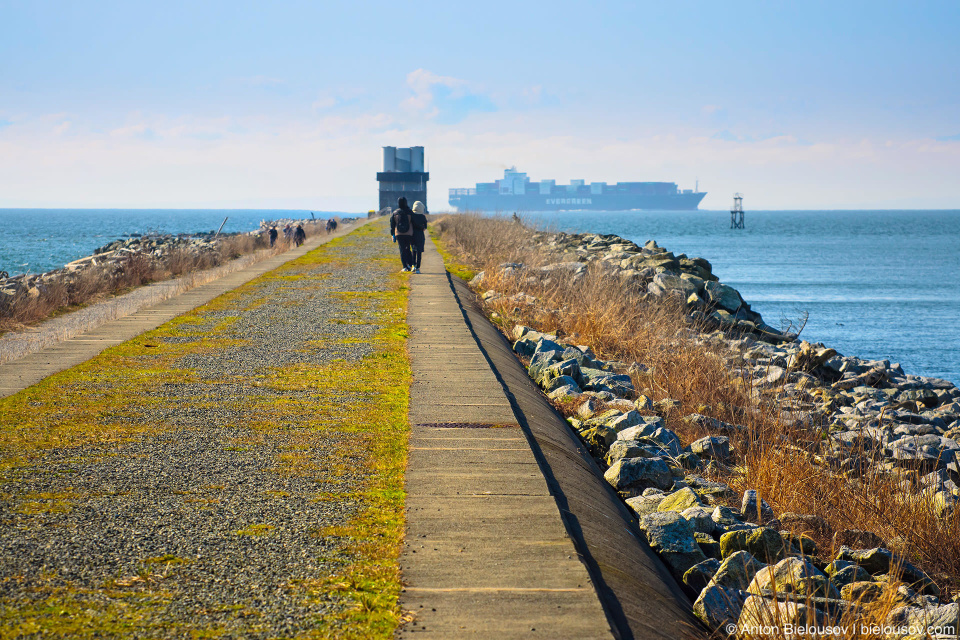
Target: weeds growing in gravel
[(342, 419)]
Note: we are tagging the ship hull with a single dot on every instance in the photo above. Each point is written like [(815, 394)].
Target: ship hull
[(572, 202)]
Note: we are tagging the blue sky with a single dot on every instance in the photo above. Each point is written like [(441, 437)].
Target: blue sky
[(286, 104)]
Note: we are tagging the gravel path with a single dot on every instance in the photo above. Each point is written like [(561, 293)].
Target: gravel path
[(206, 524)]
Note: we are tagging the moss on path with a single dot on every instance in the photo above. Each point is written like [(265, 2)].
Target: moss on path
[(237, 472)]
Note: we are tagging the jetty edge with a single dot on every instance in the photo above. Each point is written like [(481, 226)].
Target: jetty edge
[(183, 260), (511, 530), (711, 473)]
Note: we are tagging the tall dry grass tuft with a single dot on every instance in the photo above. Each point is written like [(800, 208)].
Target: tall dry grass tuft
[(789, 466)]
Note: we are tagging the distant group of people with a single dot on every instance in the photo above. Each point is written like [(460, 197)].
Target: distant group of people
[(407, 227), (297, 234)]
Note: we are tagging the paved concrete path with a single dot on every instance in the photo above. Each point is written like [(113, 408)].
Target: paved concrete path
[(19, 374), (511, 530), (486, 555)]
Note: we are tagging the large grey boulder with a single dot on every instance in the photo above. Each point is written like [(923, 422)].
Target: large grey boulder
[(723, 296), (737, 571), (647, 428), (919, 623), (621, 449), (672, 537), (699, 575), (755, 509), (793, 575), (878, 561), (758, 611), (714, 447), (718, 607), (646, 504), (633, 473)]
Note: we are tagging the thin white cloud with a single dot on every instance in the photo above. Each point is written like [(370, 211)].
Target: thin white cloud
[(423, 84)]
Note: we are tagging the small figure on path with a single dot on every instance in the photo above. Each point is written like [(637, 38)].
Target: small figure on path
[(331, 225), (299, 236), (401, 228), (273, 236), (288, 232), (419, 225)]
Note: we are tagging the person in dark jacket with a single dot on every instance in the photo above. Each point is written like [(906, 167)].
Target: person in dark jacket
[(273, 236), (299, 235), (401, 228), (419, 239)]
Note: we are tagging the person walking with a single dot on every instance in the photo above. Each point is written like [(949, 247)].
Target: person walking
[(401, 228), (299, 235), (273, 236), (419, 238)]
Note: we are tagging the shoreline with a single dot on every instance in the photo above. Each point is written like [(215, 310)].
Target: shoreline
[(16, 344), (857, 422)]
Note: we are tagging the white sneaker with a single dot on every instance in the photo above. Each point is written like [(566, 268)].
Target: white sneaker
[(404, 270), (416, 270)]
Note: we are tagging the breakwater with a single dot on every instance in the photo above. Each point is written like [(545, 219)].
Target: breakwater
[(174, 263), (859, 421), (872, 281)]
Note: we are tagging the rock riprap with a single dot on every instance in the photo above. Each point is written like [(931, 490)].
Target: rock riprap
[(744, 564)]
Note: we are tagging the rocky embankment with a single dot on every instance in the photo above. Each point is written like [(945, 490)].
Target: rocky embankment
[(152, 252), (748, 566)]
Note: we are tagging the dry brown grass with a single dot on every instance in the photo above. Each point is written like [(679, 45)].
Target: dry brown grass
[(783, 463), (96, 283)]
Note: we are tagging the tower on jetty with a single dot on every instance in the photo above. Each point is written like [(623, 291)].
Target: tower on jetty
[(736, 214), (402, 175)]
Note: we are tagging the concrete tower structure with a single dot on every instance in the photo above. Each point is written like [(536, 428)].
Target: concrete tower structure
[(402, 175)]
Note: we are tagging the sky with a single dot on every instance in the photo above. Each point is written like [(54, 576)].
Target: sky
[(798, 105)]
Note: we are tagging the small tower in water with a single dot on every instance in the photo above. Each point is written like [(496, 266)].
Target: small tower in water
[(736, 214)]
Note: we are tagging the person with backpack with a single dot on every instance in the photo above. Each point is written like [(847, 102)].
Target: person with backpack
[(419, 239), (401, 228)]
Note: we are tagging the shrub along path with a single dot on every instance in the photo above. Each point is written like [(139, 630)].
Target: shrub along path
[(236, 472)]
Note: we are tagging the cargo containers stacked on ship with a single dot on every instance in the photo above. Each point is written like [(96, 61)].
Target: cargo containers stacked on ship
[(516, 192)]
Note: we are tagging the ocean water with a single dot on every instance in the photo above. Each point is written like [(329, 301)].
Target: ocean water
[(873, 284), (39, 240)]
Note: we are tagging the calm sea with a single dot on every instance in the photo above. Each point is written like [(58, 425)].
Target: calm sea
[(876, 284), (39, 240)]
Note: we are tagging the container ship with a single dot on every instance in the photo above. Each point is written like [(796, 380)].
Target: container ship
[(515, 192)]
